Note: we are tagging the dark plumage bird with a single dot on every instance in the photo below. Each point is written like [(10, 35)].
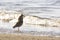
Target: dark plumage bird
[(20, 22)]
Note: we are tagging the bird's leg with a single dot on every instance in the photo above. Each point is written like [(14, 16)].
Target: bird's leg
[(18, 29)]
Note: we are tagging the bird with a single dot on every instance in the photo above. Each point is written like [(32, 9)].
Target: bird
[(19, 23)]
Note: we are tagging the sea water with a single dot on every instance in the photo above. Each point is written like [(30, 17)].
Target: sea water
[(41, 8)]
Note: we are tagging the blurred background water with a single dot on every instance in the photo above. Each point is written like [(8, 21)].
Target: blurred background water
[(45, 8)]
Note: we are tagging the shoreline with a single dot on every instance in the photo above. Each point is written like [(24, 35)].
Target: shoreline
[(26, 37)]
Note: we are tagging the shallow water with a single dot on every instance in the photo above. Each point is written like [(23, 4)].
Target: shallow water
[(30, 29)]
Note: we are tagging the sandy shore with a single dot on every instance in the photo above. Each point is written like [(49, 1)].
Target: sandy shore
[(26, 37)]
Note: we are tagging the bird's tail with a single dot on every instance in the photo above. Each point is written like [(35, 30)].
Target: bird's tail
[(13, 26)]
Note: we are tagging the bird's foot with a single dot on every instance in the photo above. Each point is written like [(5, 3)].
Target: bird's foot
[(17, 31)]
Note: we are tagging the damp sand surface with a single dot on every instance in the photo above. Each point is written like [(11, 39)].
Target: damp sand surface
[(26, 37)]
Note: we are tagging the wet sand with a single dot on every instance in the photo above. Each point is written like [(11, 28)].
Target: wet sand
[(26, 37)]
